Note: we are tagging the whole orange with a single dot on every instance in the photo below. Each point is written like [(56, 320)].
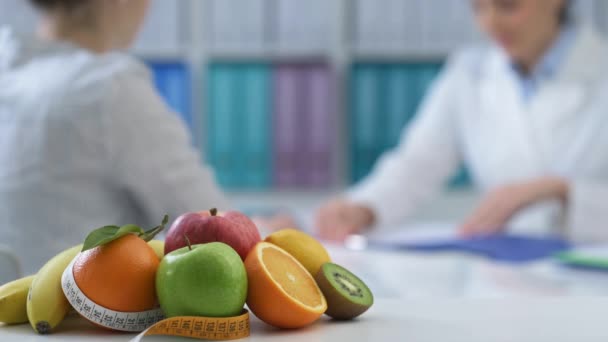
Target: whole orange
[(119, 275)]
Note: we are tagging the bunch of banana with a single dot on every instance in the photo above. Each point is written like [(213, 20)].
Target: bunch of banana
[(39, 299), (13, 297), (46, 303)]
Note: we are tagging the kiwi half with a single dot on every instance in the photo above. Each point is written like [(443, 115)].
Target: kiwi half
[(347, 296)]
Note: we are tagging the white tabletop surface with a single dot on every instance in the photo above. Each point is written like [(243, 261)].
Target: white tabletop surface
[(433, 297)]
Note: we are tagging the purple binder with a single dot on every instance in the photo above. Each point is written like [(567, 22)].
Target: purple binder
[(286, 125), (303, 125), (320, 125), (303, 136)]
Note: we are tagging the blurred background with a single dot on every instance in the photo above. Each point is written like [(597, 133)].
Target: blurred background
[(299, 98)]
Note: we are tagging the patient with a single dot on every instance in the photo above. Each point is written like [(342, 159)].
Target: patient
[(85, 139)]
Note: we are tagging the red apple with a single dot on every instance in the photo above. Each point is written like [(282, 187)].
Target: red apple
[(232, 228)]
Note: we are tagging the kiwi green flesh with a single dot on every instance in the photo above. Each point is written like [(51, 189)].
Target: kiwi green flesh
[(347, 296)]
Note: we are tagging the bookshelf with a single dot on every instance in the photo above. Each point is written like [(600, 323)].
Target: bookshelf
[(394, 41), (342, 34)]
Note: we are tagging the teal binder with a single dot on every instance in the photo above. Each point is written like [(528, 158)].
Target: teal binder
[(239, 125), (379, 119), (384, 99), (222, 119), (239, 128), (401, 102), (256, 136), (366, 122)]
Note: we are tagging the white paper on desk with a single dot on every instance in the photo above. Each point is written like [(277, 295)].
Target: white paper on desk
[(409, 234), (415, 233)]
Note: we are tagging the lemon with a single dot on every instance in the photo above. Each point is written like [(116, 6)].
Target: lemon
[(306, 249)]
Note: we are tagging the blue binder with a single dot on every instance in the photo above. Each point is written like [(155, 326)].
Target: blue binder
[(172, 79)]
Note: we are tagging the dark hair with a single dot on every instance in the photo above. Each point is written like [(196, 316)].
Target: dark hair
[(55, 4), (565, 14)]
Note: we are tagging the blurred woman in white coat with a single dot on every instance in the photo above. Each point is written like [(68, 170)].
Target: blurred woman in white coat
[(528, 115), (85, 139)]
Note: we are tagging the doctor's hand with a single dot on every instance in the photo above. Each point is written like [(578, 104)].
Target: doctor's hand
[(339, 218), (501, 204)]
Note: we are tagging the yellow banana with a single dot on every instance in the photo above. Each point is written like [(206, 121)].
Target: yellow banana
[(46, 303), (158, 247), (13, 298)]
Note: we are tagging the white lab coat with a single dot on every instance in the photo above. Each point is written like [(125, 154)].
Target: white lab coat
[(86, 141), (476, 113)]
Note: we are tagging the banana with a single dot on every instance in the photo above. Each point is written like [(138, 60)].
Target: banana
[(13, 298), (46, 303), (158, 246)]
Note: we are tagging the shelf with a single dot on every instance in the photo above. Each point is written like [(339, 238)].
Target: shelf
[(269, 56), (160, 55), (398, 56)]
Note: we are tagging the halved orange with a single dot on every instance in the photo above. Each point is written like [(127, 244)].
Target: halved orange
[(281, 292)]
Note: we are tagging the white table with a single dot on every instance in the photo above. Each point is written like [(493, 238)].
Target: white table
[(433, 297)]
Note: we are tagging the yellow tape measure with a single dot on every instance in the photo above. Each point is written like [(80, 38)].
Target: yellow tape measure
[(204, 328), (152, 322)]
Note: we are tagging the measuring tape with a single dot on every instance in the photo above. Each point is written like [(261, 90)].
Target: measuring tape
[(153, 322), (111, 319), (204, 328)]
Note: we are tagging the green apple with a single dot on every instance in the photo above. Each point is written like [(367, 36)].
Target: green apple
[(202, 280)]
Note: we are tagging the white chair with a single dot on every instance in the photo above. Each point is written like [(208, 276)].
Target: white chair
[(10, 267)]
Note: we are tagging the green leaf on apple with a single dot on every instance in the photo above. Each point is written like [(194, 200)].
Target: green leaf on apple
[(107, 234)]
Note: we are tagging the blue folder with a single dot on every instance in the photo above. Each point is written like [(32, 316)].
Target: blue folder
[(172, 80), (506, 248)]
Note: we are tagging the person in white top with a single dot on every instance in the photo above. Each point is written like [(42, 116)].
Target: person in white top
[(527, 114), (85, 139)]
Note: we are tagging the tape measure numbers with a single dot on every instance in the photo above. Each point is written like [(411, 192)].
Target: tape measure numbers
[(206, 328), (153, 322)]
